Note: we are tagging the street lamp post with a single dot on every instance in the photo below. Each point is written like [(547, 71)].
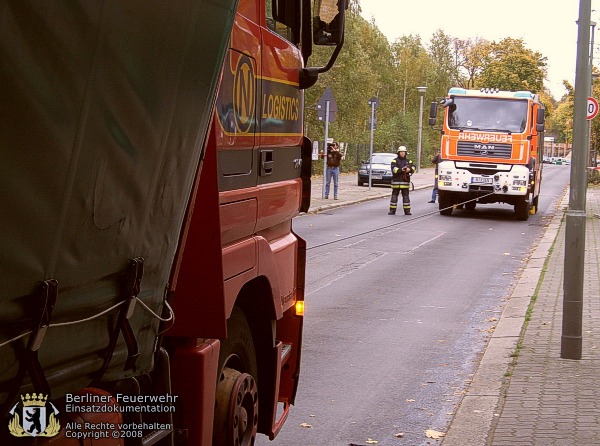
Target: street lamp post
[(421, 93)]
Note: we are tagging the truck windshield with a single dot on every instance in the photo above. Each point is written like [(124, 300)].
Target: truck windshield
[(488, 114)]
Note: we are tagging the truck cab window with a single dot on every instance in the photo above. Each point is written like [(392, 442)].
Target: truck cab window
[(275, 26)]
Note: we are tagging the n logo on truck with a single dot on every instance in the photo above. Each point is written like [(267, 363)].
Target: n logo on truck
[(244, 94)]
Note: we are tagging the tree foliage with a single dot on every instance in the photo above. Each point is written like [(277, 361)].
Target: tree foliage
[(508, 65), (470, 56), (560, 121)]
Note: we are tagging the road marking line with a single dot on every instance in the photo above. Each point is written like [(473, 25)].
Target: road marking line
[(425, 242)]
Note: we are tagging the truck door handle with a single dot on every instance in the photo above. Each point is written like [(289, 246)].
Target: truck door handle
[(266, 162)]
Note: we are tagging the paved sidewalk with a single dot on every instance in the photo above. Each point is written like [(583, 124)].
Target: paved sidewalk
[(523, 393)]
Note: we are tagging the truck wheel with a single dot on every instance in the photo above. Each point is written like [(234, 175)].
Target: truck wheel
[(534, 204), (470, 206), (522, 209), (236, 405), (445, 204)]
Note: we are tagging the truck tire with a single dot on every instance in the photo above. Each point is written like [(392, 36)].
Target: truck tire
[(236, 405), (522, 208), (445, 204), (534, 204)]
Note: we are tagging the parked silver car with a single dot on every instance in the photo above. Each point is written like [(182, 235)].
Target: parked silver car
[(381, 170)]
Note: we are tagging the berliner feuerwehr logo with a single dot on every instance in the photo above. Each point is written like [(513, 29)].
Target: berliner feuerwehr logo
[(37, 417)]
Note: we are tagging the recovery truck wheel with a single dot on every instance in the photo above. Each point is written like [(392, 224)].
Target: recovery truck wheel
[(534, 204), (236, 405), (522, 209), (445, 204)]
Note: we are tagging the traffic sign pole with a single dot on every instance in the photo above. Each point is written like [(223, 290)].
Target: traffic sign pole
[(374, 103), (371, 145), (325, 148)]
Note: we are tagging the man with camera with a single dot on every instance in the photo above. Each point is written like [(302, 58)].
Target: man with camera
[(334, 158)]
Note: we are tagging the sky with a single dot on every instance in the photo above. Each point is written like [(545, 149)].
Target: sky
[(546, 26)]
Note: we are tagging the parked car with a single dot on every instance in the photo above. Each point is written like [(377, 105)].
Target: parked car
[(559, 160), (381, 169)]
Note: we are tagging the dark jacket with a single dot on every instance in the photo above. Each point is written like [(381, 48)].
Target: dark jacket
[(402, 169), (334, 158)]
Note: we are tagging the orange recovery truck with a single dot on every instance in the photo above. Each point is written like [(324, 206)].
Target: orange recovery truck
[(491, 149), (152, 158)]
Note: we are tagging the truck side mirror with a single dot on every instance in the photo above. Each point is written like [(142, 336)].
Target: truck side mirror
[(541, 116), (328, 22), (433, 113)]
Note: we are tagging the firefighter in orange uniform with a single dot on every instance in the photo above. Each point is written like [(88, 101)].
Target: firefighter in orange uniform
[(402, 169)]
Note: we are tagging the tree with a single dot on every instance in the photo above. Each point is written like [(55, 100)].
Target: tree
[(470, 58), (511, 66), (560, 122), (442, 73)]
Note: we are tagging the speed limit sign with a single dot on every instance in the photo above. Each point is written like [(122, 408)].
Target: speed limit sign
[(592, 108)]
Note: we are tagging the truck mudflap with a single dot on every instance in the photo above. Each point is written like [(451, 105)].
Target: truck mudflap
[(106, 106)]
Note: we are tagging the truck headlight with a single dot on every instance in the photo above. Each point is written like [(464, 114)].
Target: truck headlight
[(444, 177), (519, 182)]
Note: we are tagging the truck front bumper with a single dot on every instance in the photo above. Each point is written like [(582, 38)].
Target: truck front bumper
[(481, 179)]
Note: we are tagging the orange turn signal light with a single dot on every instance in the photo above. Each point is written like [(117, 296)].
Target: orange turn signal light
[(299, 308)]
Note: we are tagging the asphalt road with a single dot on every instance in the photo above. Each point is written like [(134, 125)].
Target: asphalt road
[(397, 318)]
